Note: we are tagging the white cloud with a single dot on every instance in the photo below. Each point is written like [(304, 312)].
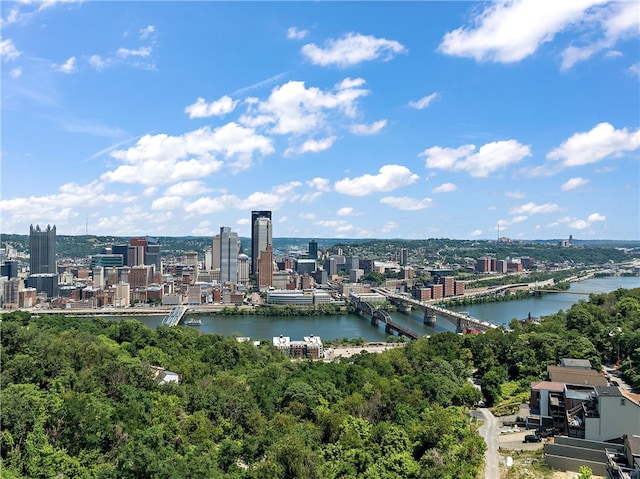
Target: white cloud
[(293, 108), (67, 67), (407, 204), (187, 188), (533, 209), (140, 52), (352, 49), (579, 224), (445, 188), (307, 216), (603, 141), (371, 129), (63, 205), (489, 158), (574, 183), (475, 233), (339, 226), (423, 102), (147, 31), (320, 184), (97, 62), (162, 159), (596, 217), (509, 31), (167, 203), (617, 20), (389, 226), (312, 146), (344, 211), (202, 109), (15, 72), (150, 191), (294, 34), (518, 195), (635, 69), (8, 50), (388, 178)]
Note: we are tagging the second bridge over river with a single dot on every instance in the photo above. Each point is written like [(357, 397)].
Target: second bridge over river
[(461, 321)]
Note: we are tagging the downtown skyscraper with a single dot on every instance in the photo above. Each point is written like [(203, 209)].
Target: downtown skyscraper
[(261, 236), (42, 250), (229, 251)]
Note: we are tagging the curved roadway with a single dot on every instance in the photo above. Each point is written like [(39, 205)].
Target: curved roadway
[(490, 433)]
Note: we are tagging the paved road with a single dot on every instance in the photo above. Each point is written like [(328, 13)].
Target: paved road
[(490, 433)]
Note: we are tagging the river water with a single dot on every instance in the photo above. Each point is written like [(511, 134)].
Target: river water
[(352, 326)]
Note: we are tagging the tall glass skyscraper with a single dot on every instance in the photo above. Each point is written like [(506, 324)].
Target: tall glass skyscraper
[(42, 250), (261, 236), (229, 250)]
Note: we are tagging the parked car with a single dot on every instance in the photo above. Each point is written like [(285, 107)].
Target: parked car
[(532, 438)]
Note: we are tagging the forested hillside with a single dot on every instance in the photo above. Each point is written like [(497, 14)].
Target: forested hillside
[(78, 400)]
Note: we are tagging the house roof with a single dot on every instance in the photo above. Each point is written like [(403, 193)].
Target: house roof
[(634, 398), (589, 377), (547, 385), (575, 363)]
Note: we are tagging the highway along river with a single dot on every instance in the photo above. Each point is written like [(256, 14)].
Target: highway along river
[(352, 326)]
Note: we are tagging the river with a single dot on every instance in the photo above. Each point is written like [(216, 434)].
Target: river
[(352, 326)]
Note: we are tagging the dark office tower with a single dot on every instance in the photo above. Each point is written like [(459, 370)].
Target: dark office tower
[(313, 249), (152, 253), (261, 236), (404, 257), (122, 249), (42, 250)]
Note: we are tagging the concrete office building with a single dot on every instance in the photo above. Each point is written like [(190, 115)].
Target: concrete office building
[(264, 277), (313, 249), (261, 236)]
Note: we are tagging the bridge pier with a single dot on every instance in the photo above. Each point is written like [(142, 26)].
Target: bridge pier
[(387, 328), (374, 321), (429, 318), (404, 308)]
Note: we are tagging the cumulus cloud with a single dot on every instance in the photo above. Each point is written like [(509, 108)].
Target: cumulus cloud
[(574, 183), (532, 209), (15, 72), (601, 142), (596, 217), (202, 109), (293, 108), (371, 129), (67, 67), (167, 203), (475, 233), (60, 206), (406, 203), (162, 159), (294, 34), (352, 49), (635, 69), (612, 22), (445, 188), (509, 31), (147, 31), (273, 200), (97, 62), (489, 158), (307, 216), (423, 102), (320, 184), (344, 211), (518, 195), (140, 52), (312, 146), (187, 188), (8, 50), (388, 178)]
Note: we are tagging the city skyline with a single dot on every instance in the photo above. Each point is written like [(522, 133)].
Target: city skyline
[(345, 120)]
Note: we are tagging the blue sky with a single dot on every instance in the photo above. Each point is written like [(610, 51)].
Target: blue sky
[(357, 120)]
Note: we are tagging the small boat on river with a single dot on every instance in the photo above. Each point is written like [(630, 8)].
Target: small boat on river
[(193, 322)]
